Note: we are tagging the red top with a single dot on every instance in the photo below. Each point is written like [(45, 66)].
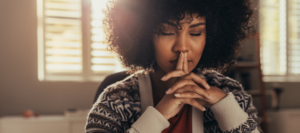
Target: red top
[(182, 122)]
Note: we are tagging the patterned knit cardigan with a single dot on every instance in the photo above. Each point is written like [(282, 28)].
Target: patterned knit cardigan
[(118, 107)]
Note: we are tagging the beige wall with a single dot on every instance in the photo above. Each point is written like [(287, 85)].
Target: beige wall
[(19, 86)]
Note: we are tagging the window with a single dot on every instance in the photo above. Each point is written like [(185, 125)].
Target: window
[(71, 41), (280, 43)]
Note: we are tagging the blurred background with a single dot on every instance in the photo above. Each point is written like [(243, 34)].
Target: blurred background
[(53, 59)]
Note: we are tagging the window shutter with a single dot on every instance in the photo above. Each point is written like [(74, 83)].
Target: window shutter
[(62, 36), (272, 51), (293, 36), (102, 60)]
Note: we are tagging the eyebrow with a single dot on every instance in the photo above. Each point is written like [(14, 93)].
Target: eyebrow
[(191, 26), (195, 25), (172, 24)]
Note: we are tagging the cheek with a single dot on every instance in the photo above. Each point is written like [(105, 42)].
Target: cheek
[(198, 45), (163, 53), (197, 49), (163, 46)]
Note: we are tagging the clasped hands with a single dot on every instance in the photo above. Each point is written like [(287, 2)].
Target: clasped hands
[(190, 89)]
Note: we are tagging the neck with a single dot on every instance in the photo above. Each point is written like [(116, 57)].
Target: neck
[(160, 87)]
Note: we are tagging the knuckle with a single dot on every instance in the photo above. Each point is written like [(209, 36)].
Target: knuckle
[(193, 88), (190, 81), (178, 101)]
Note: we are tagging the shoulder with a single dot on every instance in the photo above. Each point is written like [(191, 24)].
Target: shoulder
[(118, 104), (126, 89)]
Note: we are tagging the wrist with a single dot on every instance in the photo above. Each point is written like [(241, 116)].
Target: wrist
[(219, 98), (217, 95), (158, 109)]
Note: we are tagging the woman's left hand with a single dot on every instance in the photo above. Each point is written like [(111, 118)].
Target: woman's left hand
[(191, 85)]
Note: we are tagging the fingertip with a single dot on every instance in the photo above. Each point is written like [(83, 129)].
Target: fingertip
[(177, 95), (168, 91), (163, 78), (202, 108), (207, 87)]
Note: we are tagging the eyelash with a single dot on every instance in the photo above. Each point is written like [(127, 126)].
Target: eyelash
[(196, 34), (167, 34)]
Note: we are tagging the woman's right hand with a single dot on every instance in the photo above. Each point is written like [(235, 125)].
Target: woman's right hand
[(170, 105)]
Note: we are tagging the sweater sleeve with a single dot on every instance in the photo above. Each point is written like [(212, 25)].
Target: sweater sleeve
[(235, 113), (151, 121), (118, 110), (106, 115), (103, 119)]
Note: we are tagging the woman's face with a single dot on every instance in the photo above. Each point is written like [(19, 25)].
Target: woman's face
[(190, 38)]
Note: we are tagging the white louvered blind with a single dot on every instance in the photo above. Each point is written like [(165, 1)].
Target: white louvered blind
[(270, 38), (280, 58), (102, 60), (294, 36), (64, 52), (63, 36)]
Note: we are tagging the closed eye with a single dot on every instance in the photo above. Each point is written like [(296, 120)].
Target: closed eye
[(196, 34)]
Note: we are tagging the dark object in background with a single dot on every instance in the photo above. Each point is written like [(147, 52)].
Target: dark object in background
[(231, 73), (245, 80), (276, 98)]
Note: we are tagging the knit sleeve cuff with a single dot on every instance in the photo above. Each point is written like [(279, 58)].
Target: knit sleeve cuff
[(228, 113), (151, 121)]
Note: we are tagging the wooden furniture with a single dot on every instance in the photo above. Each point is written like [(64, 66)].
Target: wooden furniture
[(261, 93)]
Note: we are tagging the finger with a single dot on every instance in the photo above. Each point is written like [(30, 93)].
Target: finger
[(199, 80), (175, 73), (189, 95), (192, 88), (180, 84), (188, 85), (180, 61), (185, 63), (193, 103)]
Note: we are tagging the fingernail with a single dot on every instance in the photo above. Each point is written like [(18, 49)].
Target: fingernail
[(204, 108), (176, 95), (163, 78), (168, 91), (210, 98)]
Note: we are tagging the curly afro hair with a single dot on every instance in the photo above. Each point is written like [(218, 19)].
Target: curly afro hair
[(130, 25)]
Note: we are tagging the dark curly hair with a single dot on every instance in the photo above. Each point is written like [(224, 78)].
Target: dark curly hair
[(131, 24)]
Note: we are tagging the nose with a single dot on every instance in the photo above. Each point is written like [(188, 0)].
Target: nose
[(181, 44)]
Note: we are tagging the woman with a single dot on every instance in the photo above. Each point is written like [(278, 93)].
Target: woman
[(177, 45)]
